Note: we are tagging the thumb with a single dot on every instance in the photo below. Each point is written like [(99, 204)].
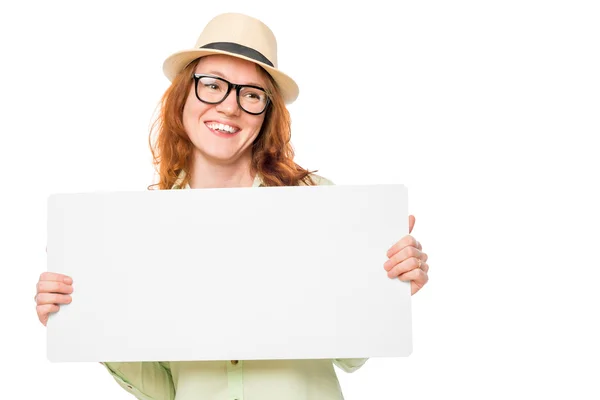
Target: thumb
[(411, 223)]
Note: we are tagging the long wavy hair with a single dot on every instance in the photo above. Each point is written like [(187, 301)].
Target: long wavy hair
[(272, 152)]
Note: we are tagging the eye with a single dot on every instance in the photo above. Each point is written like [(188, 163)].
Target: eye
[(253, 95), (212, 84)]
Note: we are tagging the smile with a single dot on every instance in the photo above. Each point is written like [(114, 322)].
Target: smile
[(215, 126)]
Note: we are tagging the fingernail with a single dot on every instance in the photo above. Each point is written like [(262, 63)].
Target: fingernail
[(68, 280)]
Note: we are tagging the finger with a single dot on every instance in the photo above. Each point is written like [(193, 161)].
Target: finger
[(44, 311), (402, 243), (417, 275), (411, 223), (424, 257), (418, 278), (53, 298), (415, 287), (400, 256), (53, 276), (53, 287), (419, 245), (404, 267), (425, 267)]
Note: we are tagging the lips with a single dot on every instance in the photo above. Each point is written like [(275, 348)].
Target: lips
[(223, 130), (221, 127)]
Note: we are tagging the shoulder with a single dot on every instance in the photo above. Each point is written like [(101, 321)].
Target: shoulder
[(321, 180)]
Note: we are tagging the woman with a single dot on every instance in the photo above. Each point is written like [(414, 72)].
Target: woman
[(224, 123)]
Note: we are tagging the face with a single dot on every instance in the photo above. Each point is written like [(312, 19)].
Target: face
[(223, 132)]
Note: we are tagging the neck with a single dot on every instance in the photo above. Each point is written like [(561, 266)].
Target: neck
[(208, 174)]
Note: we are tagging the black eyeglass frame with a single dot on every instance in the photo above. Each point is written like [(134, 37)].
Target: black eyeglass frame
[(230, 86)]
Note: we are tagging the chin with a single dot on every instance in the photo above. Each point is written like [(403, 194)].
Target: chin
[(221, 155)]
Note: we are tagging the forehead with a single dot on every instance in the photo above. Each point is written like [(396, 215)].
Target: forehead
[(233, 69)]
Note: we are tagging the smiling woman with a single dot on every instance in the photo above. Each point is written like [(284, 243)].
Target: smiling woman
[(235, 127), (224, 123)]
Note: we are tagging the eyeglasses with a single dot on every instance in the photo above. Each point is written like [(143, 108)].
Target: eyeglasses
[(214, 90)]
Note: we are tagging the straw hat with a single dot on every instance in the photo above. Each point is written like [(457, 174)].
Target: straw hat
[(240, 36)]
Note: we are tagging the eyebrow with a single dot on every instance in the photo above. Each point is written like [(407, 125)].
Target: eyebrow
[(222, 75)]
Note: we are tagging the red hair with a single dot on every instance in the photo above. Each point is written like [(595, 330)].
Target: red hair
[(272, 152)]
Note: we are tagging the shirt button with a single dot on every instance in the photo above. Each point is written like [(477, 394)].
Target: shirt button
[(234, 362)]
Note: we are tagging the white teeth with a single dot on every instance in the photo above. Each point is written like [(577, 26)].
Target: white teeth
[(222, 127)]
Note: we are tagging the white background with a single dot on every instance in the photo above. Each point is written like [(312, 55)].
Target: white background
[(487, 111)]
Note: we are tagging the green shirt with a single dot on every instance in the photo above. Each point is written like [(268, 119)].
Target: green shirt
[(233, 379)]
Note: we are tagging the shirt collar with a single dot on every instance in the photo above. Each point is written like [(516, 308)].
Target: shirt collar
[(177, 185)]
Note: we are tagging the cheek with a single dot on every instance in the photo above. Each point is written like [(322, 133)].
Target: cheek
[(192, 111), (256, 125)]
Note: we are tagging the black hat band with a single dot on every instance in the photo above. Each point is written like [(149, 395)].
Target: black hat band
[(238, 49)]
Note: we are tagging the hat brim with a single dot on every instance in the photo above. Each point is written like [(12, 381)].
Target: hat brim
[(178, 61)]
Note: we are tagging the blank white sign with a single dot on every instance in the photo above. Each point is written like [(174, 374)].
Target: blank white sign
[(234, 273)]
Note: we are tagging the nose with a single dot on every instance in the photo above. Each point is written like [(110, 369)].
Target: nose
[(229, 106)]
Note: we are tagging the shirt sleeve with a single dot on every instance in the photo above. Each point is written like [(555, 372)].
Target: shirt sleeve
[(350, 364), (321, 180), (144, 380)]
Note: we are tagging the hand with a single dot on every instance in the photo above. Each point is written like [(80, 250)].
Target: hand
[(407, 261), (52, 289)]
